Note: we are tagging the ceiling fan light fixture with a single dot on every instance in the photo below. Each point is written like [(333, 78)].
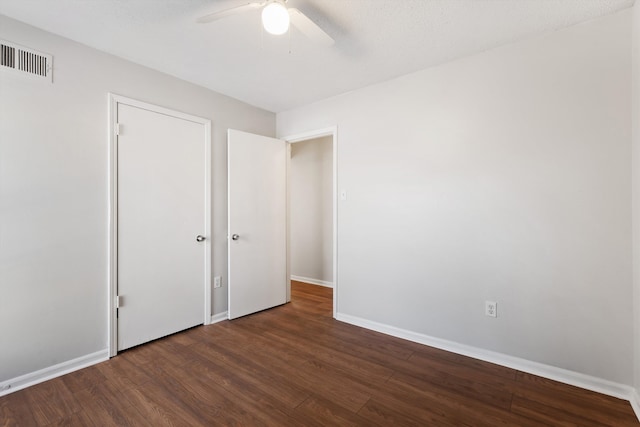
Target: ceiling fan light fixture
[(275, 18)]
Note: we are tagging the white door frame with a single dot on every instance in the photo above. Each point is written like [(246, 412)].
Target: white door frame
[(305, 136), (112, 250)]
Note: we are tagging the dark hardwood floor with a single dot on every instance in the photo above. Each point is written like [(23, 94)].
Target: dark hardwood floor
[(295, 365)]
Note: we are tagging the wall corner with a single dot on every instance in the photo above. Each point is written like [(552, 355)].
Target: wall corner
[(635, 186)]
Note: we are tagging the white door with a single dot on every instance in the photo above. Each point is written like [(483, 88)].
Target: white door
[(257, 173), (161, 170)]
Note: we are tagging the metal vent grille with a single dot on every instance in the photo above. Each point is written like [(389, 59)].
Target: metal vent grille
[(25, 61)]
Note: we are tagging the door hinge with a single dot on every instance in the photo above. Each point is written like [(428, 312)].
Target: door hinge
[(118, 129), (118, 301)]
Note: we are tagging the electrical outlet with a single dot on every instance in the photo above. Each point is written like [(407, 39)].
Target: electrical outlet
[(491, 308), (217, 282)]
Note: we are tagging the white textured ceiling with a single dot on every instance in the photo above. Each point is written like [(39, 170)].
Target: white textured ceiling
[(375, 39)]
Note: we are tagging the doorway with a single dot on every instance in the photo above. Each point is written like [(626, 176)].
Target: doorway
[(259, 245), (313, 210), (160, 216)]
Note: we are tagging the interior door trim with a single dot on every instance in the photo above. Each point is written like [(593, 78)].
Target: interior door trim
[(112, 250)]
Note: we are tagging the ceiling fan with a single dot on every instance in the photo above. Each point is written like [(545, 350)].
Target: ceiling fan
[(276, 18)]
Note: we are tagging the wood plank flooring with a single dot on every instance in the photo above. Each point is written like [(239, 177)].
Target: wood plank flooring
[(295, 365)]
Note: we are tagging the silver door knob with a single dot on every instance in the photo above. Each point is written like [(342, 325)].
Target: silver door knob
[(235, 237), (200, 238)]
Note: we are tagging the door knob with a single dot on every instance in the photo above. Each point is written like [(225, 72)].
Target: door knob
[(200, 238), (235, 237)]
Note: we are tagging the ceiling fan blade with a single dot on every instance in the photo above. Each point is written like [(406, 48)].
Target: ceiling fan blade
[(309, 28), (228, 12)]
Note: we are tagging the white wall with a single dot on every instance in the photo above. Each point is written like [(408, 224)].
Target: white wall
[(53, 193), (311, 212), (504, 176), (636, 188)]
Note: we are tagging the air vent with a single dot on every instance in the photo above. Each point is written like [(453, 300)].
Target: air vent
[(25, 61)]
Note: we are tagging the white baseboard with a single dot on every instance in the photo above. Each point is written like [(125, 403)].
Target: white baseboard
[(219, 317), (312, 281), (635, 402), (33, 378), (577, 379)]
